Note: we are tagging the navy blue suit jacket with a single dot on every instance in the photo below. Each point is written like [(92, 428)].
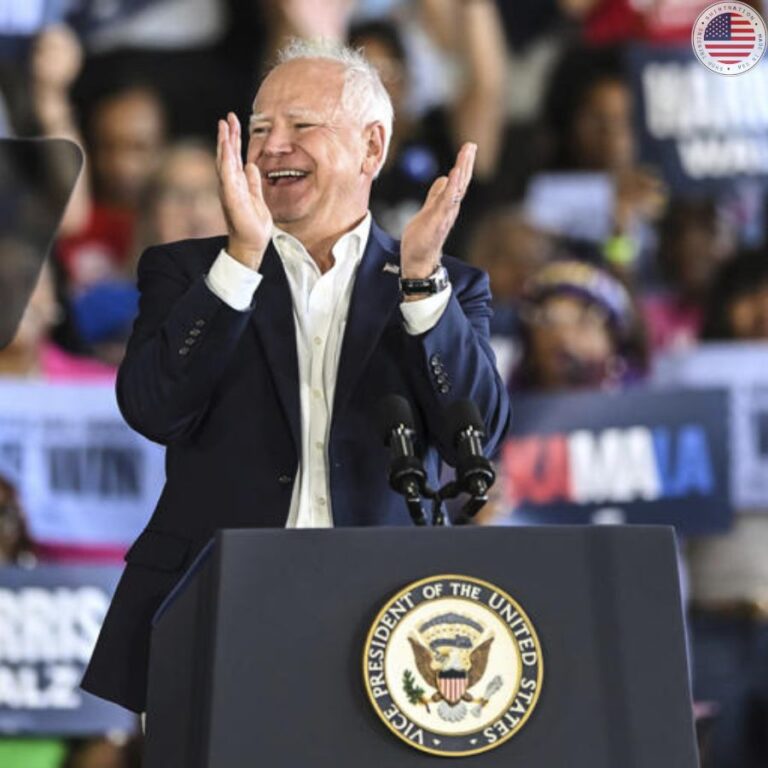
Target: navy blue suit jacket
[(219, 388)]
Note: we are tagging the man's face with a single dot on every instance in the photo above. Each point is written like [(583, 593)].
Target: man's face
[(313, 154)]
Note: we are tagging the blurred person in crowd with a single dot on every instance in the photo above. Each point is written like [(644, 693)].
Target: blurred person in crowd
[(33, 354), (738, 307), (126, 137), (511, 251), (180, 202), (589, 113), (695, 239), (15, 544), (423, 149), (580, 330), (729, 573), (104, 752), (197, 54)]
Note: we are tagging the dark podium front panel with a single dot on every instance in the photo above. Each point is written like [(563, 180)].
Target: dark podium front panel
[(257, 658)]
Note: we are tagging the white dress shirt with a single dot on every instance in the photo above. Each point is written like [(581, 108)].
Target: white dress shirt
[(320, 308)]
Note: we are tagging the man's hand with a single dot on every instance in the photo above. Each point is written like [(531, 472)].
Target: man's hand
[(426, 232), (249, 222)]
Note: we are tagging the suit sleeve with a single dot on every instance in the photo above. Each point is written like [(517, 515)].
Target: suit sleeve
[(454, 360), (182, 340)]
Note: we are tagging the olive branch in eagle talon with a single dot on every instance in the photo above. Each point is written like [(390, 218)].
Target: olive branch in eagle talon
[(414, 693)]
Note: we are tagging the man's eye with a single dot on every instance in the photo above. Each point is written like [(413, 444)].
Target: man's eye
[(305, 125), (259, 131)]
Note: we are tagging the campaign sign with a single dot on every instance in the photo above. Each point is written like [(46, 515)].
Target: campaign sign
[(652, 457), (49, 621), (701, 129), (741, 367), (83, 475)]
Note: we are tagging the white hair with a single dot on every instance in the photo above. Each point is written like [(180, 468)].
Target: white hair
[(363, 94)]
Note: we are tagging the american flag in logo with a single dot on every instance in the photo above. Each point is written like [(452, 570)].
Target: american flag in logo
[(729, 38), (452, 685)]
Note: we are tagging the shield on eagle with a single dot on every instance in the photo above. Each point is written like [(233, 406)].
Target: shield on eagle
[(452, 684)]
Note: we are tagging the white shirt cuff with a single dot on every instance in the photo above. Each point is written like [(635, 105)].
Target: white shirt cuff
[(233, 282), (423, 315)]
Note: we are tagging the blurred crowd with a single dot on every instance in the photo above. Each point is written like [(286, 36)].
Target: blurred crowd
[(541, 86)]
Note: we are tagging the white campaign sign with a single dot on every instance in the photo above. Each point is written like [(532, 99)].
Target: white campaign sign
[(84, 476)]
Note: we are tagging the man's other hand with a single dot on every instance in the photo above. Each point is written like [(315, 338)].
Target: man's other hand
[(425, 234)]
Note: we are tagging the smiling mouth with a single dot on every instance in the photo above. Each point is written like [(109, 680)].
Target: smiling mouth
[(285, 176)]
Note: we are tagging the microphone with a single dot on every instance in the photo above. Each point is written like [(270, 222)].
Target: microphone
[(406, 473), (474, 473)]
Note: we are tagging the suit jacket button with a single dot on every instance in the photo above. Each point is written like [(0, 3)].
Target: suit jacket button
[(184, 351), (284, 479), (199, 323), (444, 389), (435, 361), (195, 332)]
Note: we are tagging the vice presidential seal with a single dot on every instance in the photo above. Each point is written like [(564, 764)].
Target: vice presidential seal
[(453, 666)]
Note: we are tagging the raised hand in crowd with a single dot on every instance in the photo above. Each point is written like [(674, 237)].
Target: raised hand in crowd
[(55, 63), (310, 19)]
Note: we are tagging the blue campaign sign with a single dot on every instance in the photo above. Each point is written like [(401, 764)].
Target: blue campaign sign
[(701, 129), (646, 456), (49, 621), (742, 368)]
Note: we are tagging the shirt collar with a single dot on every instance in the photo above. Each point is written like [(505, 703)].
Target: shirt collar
[(351, 245)]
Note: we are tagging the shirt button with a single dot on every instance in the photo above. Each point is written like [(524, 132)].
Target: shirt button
[(318, 341), (321, 501), (319, 446), (317, 394)]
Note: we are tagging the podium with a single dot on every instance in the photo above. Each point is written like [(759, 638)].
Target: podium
[(257, 656)]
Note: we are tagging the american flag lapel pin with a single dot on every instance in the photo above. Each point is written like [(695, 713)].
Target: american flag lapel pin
[(393, 269)]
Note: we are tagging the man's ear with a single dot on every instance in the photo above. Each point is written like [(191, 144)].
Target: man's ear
[(373, 134)]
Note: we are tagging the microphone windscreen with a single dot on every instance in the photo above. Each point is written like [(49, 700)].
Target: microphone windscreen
[(460, 415), (393, 411)]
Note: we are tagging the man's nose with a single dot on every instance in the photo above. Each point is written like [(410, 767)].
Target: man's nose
[(278, 141)]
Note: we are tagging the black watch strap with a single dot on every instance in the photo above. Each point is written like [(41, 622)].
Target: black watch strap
[(435, 283)]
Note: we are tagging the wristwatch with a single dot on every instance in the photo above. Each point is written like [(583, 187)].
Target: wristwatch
[(436, 282)]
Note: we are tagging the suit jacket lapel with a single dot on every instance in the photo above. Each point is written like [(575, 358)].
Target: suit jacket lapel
[(374, 297), (273, 320)]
